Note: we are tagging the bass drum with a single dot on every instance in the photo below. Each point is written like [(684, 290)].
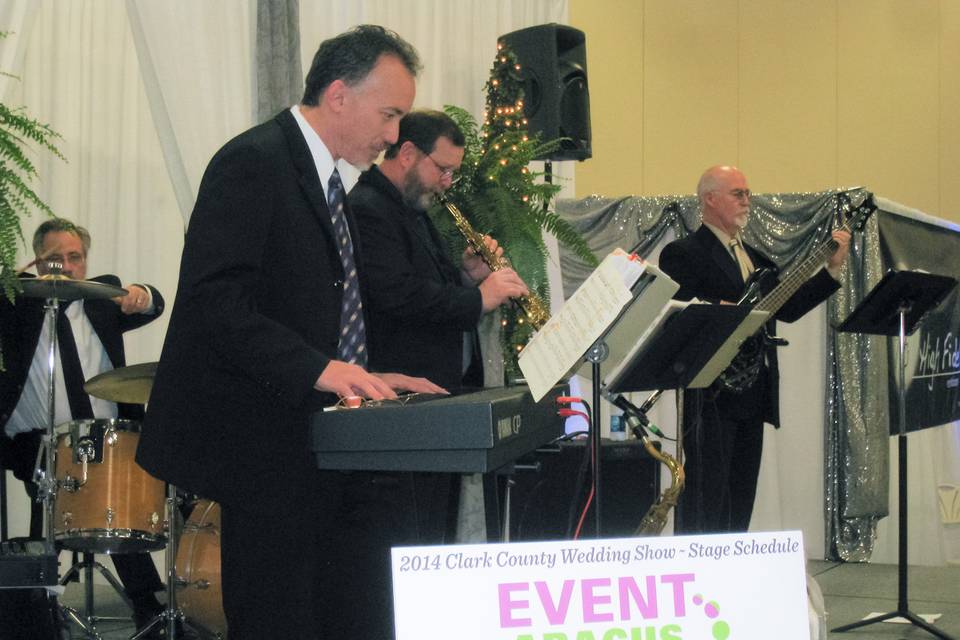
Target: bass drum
[(200, 594)]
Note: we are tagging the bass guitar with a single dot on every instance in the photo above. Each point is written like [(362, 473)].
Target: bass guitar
[(747, 364)]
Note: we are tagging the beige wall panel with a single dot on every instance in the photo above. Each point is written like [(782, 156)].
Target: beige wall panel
[(614, 61), (690, 91), (788, 94), (889, 104), (950, 111)]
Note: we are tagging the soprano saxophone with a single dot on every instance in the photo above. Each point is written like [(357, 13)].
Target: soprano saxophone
[(531, 304)]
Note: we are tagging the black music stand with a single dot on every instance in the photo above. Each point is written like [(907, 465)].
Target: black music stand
[(895, 307), (684, 346), (688, 348)]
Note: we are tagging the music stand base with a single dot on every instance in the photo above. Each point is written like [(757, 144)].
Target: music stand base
[(905, 614)]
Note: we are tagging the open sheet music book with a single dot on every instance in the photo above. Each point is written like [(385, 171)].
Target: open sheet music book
[(622, 295)]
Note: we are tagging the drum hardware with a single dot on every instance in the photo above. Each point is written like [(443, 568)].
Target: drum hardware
[(88, 621), (132, 385), (110, 441), (171, 614), (202, 585), (85, 451), (103, 449), (55, 287)]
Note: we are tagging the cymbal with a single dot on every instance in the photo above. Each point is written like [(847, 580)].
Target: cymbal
[(63, 288), (127, 384)]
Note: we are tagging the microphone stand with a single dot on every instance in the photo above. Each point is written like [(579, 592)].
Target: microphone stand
[(597, 354)]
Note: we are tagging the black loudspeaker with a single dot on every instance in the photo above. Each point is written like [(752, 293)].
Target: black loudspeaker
[(553, 64), (546, 481)]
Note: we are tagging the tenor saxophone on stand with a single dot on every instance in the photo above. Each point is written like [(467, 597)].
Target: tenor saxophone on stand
[(655, 519), (531, 304)]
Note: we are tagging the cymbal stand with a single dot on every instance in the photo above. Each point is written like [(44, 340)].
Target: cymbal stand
[(171, 614), (44, 474)]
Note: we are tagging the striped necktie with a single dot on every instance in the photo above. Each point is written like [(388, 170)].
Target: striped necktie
[(353, 342)]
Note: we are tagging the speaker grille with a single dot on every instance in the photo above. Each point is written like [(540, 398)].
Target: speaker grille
[(553, 65)]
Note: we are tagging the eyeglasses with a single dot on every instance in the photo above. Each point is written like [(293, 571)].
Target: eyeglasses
[(71, 258), (741, 194), (445, 172)]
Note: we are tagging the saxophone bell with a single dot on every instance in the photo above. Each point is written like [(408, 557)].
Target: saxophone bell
[(655, 519)]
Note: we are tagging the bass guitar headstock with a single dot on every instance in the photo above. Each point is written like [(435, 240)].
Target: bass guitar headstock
[(849, 218)]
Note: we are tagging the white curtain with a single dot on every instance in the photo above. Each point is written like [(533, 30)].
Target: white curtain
[(15, 17), (195, 61), (79, 73), (145, 91)]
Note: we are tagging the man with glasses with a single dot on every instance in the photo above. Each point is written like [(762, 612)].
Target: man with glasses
[(95, 329), (423, 308), (723, 429)]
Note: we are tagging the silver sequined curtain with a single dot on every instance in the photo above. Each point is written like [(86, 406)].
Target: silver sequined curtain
[(786, 227)]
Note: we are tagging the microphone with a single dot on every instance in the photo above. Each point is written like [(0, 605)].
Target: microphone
[(636, 416), (649, 402)]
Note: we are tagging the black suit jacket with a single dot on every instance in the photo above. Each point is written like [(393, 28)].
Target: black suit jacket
[(419, 310), (705, 269), (20, 327), (255, 322)]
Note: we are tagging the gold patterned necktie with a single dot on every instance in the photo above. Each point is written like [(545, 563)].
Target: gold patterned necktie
[(743, 260)]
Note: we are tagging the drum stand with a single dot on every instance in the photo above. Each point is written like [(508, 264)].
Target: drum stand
[(88, 564), (47, 485), (45, 478), (171, 614)]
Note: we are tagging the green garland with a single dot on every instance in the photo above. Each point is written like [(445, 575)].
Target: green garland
[(500, 195)]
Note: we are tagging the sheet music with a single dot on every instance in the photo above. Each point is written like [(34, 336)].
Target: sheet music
[(560, 345)]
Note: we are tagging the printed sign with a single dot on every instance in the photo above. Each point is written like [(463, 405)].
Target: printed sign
[(933, 351), (716, 587)]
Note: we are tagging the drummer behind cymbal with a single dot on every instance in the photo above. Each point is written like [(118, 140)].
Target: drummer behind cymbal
[(90, 335), (65, 251)]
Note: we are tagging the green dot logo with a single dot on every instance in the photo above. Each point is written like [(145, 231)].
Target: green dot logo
[(720, 629)]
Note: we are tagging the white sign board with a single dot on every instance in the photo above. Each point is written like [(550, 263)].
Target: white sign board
[(716, 587)]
